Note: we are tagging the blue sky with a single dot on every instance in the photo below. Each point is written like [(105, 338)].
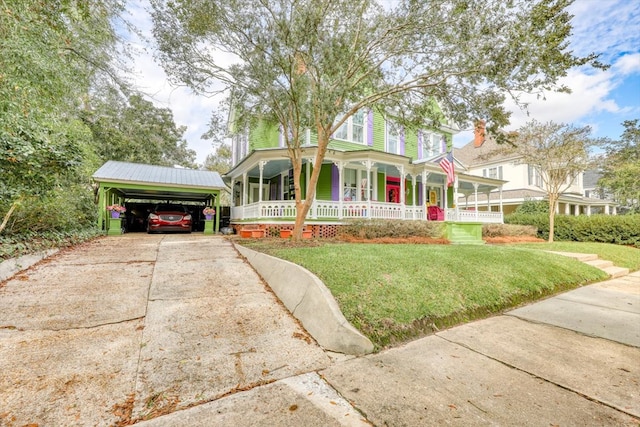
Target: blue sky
[(600, 99)]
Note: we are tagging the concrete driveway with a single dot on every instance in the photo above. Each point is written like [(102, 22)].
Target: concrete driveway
[(127, 328)]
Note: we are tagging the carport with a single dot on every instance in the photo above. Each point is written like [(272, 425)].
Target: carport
[(137, 186)]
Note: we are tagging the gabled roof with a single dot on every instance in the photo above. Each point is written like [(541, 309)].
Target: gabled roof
[(489, 152), (124, 172)]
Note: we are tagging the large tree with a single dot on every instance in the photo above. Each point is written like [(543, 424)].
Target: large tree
[(51, 54), (621, 167), (314, 63), (132, 129), (559, 153)]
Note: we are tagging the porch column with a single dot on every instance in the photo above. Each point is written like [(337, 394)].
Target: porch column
[(614, 210), (455, 196), (340, 166), (402, 195), (312, 209), (606, 209), (244, 189), (261, 167), (475, 188), (588, 210), (425, 196), (368, 164), (488, 193), (501, 210), (413, 196), (576, 210), (232, 198)]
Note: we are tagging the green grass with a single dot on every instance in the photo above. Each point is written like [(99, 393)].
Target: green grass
[(395, 292), (621, 256)]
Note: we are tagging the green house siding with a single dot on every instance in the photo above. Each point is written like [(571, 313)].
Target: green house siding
[(323, 191), (382, 187), (378, 132), (264, 136)]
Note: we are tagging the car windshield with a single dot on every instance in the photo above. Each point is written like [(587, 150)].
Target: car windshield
[(170, 208)]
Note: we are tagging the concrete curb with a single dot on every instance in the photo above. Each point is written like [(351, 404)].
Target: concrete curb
[(309, 300), (10, 267)]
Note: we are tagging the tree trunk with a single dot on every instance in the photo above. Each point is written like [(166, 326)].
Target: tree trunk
[(553, 200), (302, 207), (5, 220)]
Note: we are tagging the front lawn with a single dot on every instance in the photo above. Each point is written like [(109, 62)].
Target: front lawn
[(395, 292)]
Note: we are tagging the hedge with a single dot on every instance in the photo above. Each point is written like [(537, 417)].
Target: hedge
[(617, 229)]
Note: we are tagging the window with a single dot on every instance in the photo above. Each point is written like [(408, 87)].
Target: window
[(534, 177), (353, 129), (357, 187), (392, 138), (433, 144), (240, 146), (350, 191), (494, 173)]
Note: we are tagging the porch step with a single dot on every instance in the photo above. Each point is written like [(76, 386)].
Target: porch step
[(600, 263), (465, 234), (576, 255), (616, 271), (593, 260)]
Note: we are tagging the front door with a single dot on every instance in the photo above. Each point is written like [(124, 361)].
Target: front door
[(393, 193)]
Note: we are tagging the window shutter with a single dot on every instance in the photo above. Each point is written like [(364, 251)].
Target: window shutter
[(499, 172), (370, 128), (419, 144), (335, 183), (401, 139), (484, 173)]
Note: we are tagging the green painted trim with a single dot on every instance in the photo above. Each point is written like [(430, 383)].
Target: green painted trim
[(208, 226), (115, 227)]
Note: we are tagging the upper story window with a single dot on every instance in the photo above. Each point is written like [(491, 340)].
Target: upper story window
[(433, 143), (239, 146), (353, 129), (534, 176), (392, 138), (494, 173)]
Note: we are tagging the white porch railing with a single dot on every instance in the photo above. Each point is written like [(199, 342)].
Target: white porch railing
[(331, 210), (485, 217)]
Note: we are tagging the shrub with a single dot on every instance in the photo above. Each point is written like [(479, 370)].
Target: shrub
[(374, 229), (533, 207), (617, 229), (508, 230)]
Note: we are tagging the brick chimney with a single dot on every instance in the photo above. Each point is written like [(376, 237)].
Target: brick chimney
[(479, 133)]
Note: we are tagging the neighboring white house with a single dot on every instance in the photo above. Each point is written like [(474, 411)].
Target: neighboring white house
[(482, 157)]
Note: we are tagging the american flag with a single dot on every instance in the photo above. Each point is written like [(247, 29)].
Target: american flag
[(447, 166)]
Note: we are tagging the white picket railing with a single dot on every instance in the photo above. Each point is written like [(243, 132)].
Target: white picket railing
[(333, 210)]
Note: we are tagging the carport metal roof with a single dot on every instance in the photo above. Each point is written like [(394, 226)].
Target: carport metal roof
[(134, 180)]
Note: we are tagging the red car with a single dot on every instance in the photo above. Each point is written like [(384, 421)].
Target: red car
[(169, 218)]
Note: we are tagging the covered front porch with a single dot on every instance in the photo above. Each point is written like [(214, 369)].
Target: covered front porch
[(364, 184)]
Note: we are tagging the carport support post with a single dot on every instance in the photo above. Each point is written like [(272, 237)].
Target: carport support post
[(208, 226), (218, 211)]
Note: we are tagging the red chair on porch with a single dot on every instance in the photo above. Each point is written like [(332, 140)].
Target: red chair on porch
[(435, 213)]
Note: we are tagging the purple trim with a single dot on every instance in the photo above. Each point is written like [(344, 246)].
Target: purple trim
[(420, 199), (369, 129), (401, 140), (335, 183), (443, 143), (420, 144)]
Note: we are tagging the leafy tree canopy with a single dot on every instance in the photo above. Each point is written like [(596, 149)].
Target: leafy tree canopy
[(621, 166), (132, 129), (558, 152), (313, 63)]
